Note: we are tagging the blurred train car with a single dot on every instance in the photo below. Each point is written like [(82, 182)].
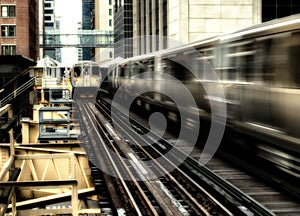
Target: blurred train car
[(86, 79), (258, 68)]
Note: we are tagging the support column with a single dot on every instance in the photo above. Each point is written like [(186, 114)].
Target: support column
[(143, 33), (161, 30), (74, 200), (147, 39), (154, 36), (14, 203), (74, 186), (11, 134), (12, 153)]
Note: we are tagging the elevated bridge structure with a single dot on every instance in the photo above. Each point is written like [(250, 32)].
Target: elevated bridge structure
[(79, 39)]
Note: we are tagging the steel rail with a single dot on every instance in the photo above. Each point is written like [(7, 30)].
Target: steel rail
[(109, 139), (190, 196), (97, 126), (152, 185), (245, 203)]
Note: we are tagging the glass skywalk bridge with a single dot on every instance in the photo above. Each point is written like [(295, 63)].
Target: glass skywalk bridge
[(81, 38)]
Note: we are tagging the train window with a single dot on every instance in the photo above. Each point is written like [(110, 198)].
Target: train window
[(134, 69), (245, 64), (95, 70), (127, 71), (208, 54), (122, 71), (141, 68), (178, 71), (202, 67), (275, 61), (294, 56), (262, 71), (77, 71)]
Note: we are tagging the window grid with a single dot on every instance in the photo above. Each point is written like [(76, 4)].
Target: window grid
[(8, 11), (8, 49), (8, 30)]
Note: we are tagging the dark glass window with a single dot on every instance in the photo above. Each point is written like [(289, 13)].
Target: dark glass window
[(284, 2), (273, 9), (48, 11), (8, 50), (296, 2), (49, 24), (295, 9), (284, 11), (8, 30), (269, 2), (48, 18), (8, 11)]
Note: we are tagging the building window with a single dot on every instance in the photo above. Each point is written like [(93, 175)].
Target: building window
[(8, 50), (47, 5), (110, 12), (110, 2), (49, 11), (8, 30), (47, 18), (110, 22), (8, 11), (110, 54)]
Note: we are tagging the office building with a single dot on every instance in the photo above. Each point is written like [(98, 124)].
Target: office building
[(104, 21), (273, 9), (123, 28), (186, 21), (19, 28), (88, 23)]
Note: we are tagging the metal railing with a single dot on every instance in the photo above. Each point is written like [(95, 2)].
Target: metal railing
[(17, 92)]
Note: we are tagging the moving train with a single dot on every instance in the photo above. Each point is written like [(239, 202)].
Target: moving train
[(258, 69), (86, 78)]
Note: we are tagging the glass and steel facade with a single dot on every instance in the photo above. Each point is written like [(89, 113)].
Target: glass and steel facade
[(88, 7), (123, 28), (273, 9)]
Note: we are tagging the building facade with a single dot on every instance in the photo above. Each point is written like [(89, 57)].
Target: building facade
[(273, 9), (158, 24), (150, 25), (48, 23), (88, 23), (184, 21), (19, 28), (123, 28), (104, 21)]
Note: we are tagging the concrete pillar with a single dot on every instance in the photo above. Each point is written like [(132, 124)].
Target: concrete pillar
[(147, 27), (161, 44), (153, 26), (142, 28)]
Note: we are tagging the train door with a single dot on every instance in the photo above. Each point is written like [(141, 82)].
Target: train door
[(236, 62), (257, 72), (86, 74), (285, 92)]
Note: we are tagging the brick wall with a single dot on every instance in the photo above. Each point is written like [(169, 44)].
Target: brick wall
[(26, 22)]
